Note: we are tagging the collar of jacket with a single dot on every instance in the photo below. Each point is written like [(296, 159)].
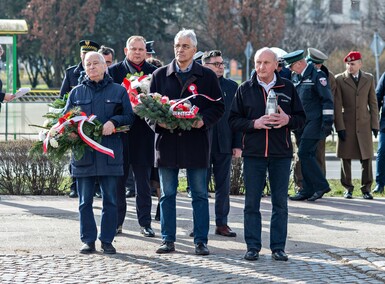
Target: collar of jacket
[(98, 85), (278, 83), (196, 69), (79, 68)]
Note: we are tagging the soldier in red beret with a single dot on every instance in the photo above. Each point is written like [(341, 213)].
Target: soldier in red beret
[(356, 117)]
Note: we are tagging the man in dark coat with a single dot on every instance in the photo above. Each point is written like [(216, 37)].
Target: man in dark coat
[(314, 91), (266, 147), (98, 95), (225, 144), (71, 79), (138, 142), (179, 149)]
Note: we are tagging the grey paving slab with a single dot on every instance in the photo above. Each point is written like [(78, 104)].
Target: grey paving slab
[(332, 240)]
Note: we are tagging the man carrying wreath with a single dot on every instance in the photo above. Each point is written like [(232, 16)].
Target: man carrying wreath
[(189, 149), (100, 96)]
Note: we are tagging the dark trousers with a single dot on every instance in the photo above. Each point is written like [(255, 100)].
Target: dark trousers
[(142, 175), (254, 172), (121, 183), (313, 177), (220, 168), (366, 174)]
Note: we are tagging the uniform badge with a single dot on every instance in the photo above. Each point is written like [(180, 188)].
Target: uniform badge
[(323, 81)]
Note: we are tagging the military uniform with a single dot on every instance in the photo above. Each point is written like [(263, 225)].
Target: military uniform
[(315, 94)]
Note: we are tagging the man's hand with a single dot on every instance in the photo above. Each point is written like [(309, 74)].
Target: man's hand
[(197, 124), (342, 135), (261, 122), (8, 97), (108, 128), (237, 152), (327, 129), (280, 118)]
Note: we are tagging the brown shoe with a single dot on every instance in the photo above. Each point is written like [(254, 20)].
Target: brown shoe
[(225, 231)]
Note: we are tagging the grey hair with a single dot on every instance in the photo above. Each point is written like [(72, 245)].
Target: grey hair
[(91, 53), (187, 33), (263, 49)]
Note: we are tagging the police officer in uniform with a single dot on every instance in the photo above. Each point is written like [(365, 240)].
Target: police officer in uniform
[(71, 79), (316, 97)]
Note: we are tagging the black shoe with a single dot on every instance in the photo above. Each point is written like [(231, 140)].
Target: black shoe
[(298, 197), (166, 247), (348, 194), (318, 194), (157, 215), (147, 232), (87, 248), (279, 255), (201, 249), (108, 248), (252, 254), (191, 235), (73, 194), (130, 194), (378, 189), (367, 195)]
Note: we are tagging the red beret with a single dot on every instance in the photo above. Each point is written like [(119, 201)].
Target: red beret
[(352, 56)]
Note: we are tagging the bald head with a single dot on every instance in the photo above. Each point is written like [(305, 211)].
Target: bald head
[(266, 62)]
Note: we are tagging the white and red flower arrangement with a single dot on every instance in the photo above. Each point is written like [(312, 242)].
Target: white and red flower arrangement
[(135, 85)]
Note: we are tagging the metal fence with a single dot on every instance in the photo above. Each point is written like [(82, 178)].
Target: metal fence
[(16, 116)]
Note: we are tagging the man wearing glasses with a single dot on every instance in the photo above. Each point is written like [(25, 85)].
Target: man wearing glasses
[(224, 145), (186, 149), (314, 91)]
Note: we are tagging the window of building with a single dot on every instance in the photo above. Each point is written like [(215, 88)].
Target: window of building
[(335, 6)]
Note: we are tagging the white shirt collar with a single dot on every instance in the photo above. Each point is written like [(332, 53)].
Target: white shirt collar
[(267, 87)]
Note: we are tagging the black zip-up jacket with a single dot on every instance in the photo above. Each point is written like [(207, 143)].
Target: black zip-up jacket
[(249, 104)]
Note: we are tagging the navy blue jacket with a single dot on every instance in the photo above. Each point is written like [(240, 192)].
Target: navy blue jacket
[(141, 136), (317, 101), (190, 148), (380, 93), (108, 101), (71, 79), (224, 140), (250, 103)]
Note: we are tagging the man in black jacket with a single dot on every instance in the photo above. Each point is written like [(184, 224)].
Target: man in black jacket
[(266, 147), (138, 142), (224, 145), (189, 149)]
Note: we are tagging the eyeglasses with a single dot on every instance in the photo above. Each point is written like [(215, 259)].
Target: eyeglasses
[(217, 64), (183, 46)]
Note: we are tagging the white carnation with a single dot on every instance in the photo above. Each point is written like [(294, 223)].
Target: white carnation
[(42, 135), (53, 142), (46, 122)]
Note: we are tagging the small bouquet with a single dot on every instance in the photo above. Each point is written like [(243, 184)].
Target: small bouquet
[(135, 85), (74, 131), (173, 113)]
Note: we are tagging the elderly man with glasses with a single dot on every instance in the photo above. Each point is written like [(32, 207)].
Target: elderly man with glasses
[(189, 149)]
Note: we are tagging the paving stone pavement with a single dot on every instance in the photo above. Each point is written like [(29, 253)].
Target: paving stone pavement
[(332, 240)]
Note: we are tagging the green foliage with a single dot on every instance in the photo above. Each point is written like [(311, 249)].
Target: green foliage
[(151, 108)]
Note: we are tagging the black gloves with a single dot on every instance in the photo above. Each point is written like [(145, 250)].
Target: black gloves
[(375, 132), (327, 129), (342, 135)]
